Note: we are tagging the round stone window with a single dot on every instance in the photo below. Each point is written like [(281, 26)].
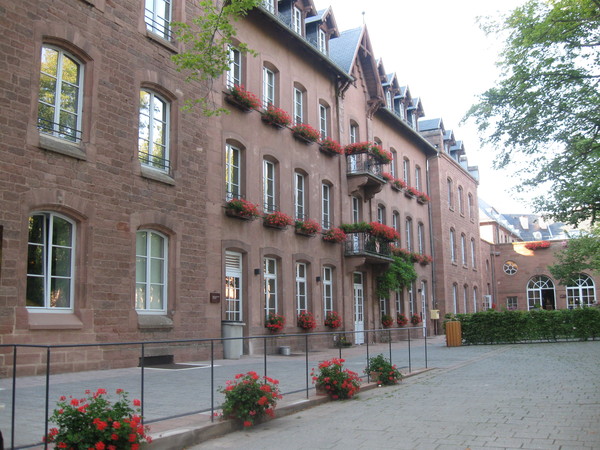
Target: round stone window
[(510, 267)]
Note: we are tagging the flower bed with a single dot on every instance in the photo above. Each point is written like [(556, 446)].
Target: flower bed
[(382, 371)]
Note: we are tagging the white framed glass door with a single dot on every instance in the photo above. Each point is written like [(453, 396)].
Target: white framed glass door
[(359, 309)]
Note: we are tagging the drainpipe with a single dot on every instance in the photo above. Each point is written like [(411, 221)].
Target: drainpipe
[(431, 241)]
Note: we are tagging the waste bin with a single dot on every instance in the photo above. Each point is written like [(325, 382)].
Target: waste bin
[(232, 348), (453, 334)]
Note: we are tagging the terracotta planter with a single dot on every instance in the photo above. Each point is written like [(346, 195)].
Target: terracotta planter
[(237, 215), (302, 139), (276, 227)]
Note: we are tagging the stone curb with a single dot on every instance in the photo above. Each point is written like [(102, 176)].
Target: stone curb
[(180, 433)]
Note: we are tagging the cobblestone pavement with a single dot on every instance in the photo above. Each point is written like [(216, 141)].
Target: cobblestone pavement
[(530, 396)]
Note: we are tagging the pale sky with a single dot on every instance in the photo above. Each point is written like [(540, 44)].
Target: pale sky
[(437, 48)]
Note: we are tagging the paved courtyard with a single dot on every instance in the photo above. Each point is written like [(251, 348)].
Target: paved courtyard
[(530, 396)]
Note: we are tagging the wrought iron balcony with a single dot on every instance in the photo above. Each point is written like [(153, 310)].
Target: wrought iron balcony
[(364, 172), (377, 251)]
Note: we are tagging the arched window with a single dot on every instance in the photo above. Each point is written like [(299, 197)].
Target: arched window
[(328, 295), (233, 286), (50, 262), (153, 131), (540, 293), (581, 292), (270, 285), (233, 171), (324, 119), (299, 103)]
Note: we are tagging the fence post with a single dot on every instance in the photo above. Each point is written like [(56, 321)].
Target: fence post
[(212, 380), (306, 359), (47, 395), (390, 344), (14, 393), (426, 347), (142, 364), (265, 355), (409, 360), (369, 374)]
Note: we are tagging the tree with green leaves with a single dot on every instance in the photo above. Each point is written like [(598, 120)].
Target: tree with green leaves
[(546, 105), (399, 274), (582, 253), (208, 38)]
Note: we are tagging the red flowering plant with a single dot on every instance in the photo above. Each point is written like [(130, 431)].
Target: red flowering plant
[(333, 320), (305, 131), (386, 320), (399, 184), (401, 319), (244, 97), (276, 116), (382, 231), (384, 156), (357, 147), (382, 371), (334, 235), (274, 322), (306, 321), (416, 319), (277, 219), (387, 176), (242, 208), (422, 259), (402, 253), (308, 226), (537, 245), (96, 423), (413, 191), (423, 197), (338, 383), (250, 397), (331, 146)]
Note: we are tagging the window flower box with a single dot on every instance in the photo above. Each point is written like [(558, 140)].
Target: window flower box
[(333, 320), (399, 184), (330, 147), (274, 322), (334, 235), (401, 319), (305, 133), (306, 321), (387, 177), (537, 245), (276, 117), (241, 209), (383, 156), (387, 321), (277, 220), (356, 148), (242, 99), (307, 227), (415, 319)]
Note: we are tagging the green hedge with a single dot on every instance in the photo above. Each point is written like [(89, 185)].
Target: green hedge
[(500, 327)]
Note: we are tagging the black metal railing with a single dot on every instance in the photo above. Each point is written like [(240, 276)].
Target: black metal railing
[(156, 162), (58, 130), (188, 391), (364, 163), (160, 27), (362, 243)]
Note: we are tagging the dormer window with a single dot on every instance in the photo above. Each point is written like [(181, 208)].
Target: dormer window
[(388, 99), (269, 5), (322, 40), (297, 20)]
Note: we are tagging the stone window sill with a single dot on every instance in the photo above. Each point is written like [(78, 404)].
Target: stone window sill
[(54, 321), (63, 147), (154, 322), (157, 175)]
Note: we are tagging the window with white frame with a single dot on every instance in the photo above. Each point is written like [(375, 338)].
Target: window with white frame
[(452, 246), (269, 204), (399, 302), (232, 172), (151, 271), (475, 299), (353, 133), (463, 249), (421, 238), (153, 131), (327, 290), (418, 178), (322, 41), (233, 286), (381, 214), (411, 298), (406, 171), (540, 293), (455, 298), (393, 162), (581, 292), (50, 262), (299, 197), (461, 206), (270, 286), (323, 121), (234, 74), (268, 87), (158, 17), (465, 298), (511, 303), (297, 20), (383, 306), (408, 231), (355, 210), (388, 99), (60, 97), (473, 254), (269, 5), (301, 288), (298, 106), (396, 225), (325, 206)]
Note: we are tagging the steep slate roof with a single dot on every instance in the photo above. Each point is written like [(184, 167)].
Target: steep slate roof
[(431, 124), (343, 49)]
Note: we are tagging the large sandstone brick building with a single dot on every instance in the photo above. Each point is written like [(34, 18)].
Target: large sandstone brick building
[(113, 196)]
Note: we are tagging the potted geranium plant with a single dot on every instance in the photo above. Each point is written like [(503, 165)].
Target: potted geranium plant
[(334, 235), (277, 219), (399, 184), (337, 382), (242, 98), (274, 322), (305, 133), (415, 319), (537, 245), (422, 197), (330, 147), (382, 371), (383, 156), (333, 320), (242, 209), (387, 176), (250, 398), (306, 321), (276, 116), (356, 148), (308, 227), (386, 320), (401, 319), (94, 422)]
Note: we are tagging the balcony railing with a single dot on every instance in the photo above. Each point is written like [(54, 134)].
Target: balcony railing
[(363, 244), (363, 163)]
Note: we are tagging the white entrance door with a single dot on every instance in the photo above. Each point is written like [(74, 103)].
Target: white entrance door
[(359, 308)]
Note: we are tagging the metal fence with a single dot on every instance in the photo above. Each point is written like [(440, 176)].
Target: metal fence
[(190, 391)]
